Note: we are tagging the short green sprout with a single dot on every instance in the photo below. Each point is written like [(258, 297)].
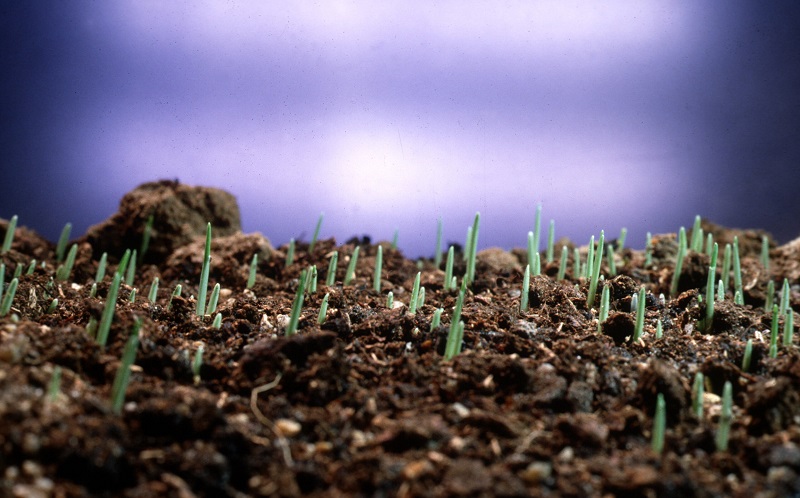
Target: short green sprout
[(737, 274), (696, 244), (8, 297), (536, 269), (748, 355), (132, 296), (785, 295), (17, 271), (146, 234), (473, 249), (456, 334), (526, 285), (612, 263), (765, 253), (313, 280), (720, 291), (108, 311), (394, 239), (316, 233), (351, 267), (64, 270), (726, 267), (659, 425), (623, 234), (197, 364), (421, 298), (294, 318), (448, 272), (31, 267), (648, 250), (376, 277), (697, 395), (437, 254), (9, 238), (437, 319), (101, 267), (412, 303), (63, 240), (123, 375), (123, 262), (53, 306), (153, 294), (562, 265), (54, 387), (725, 418), (711, 280), (93, 290), (551, 236), (290, 254), (709, 244), (676, 275), (659, 329), (175, 293), (595, 277), (640, 310), (770, 296), (213, 300), (217, 323), (390, 300), (788, 328), (323, 309), (251, 277), (576, 263), (330, 279), (605, 305), (204, 273), (773, 337)]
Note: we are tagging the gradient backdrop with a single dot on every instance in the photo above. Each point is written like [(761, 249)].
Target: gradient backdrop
[(390, 115)]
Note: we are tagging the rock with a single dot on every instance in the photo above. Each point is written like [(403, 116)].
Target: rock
[(498, 260), (180, 213)]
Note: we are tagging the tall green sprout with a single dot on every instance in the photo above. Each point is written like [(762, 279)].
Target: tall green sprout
[(738, 296), (9, 238), (562, 264), (551, 240), (101, 268), (648, 250), (678, 262), (526, 284), (412, 303), (712, 278), (726, 266), (640, 311), (696, 244), (204, 272), (376, 277), (437, 255), (351, 268), (65, 269), (8, 298), (623, 234), (456, 334), (131, 271), (448, 272), (765, 253), (537, 228), (63, 240), (297, 306), (122, 378), (316, 233), (108, 311), (473, 249), (788, 328), (330, 279), (323, 309), (595, 277)]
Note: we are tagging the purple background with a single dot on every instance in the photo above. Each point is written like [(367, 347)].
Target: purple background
[(390, 115)]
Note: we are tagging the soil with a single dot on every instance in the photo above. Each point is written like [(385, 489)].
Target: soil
[(538, 403)]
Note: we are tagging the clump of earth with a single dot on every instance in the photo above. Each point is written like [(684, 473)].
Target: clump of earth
[(541, 402)]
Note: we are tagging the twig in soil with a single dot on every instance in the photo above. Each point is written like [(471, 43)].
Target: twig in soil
[(282, 442)]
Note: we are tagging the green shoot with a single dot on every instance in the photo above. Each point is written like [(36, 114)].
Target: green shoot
[(132, 297), (587, 272), (412, 303), (765, 253), (316, 233), (148, 232), (421, 298), (551, 240), (9, 238), (437, 255), (217, 323), (448, 271), (251, 277), (313, 280), (788, 328), (785, 295), (473, 249), (323, 309), (63, 240), (8, 298), (720, 291), (605, 305), (53, 306), (712, 278), (437, 319), (213, 300), (390, 300), (612, 264), (726, 266), (709, 243), (453, 345), (93, 290), (773, 337), (175, 293), (576, 263), (748, 355), (537, 264), (123, 376), (725, 418), (737, 274), (376, 277), (770, 296), (54, 387), (659, 425), (17, 271), (678, 262), (623, 234), (562, 265), (197, 364), (351, 267), (204, 272), (330, 279), (101, 267), (697, 395), (531, 250), (394, 238), (526, 285), (153, 294), (64, 270), (108, 311), (595, 272), (640, 310), (773, 350), (294, 318), (696, 244), (290, 254), (91, 328), (123, 263), (648, 250), (31, 267), (467, 242), (537, 228), (659, 329)]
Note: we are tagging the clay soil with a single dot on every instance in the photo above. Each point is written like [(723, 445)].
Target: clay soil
[(539, 403)]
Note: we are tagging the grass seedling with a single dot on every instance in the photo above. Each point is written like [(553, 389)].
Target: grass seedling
[(93, 290), (595, 272), (773, 336), (737, 274), (412, 303), (394, 239), (54, 387), (330, 279), (204, 272), (531, 250), (31, 267), (726, 266), (712, 278), (605, 305), (251, 277), (612, 264), (61, 247), (64, 270), (748, 355), (725, 418), (473, 249), (696, 244), (551, 240), (448, 271), (526, 285), (132, 296), (576, 263), (53, 306), (765, 253), (678, 262), (640, 310), (323, 309), (720, 291), (437, 254), (659, 425), (217, 323), (659, 329), (123, 376), (213, 300), (770, 296), (421, 298), (697, 395), (316, 233), (437, 319), (146, 234), (197, 364), (537, 264), (313, 280), (8, 297), (108, 311), (101, 268), (785, 295), (9, 238), (467, 242), (390, 300), (153, 294), (788, 328), (623, 234), (587, 272), (562, 264), (123, 263), (648, 250), (175, 293), (537, 229), (376, 277), (290, 254), (456, 333), (351, 268), (709, 244), (17, 271), (294, 318)]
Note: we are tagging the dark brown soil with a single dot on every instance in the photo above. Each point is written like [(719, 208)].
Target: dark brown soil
[(539, 403)]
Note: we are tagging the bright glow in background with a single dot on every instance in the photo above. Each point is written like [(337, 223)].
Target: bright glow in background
[(390, 115)]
